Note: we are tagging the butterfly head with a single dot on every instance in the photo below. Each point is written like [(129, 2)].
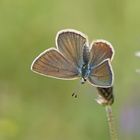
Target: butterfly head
[(85, 73), (83, 80)]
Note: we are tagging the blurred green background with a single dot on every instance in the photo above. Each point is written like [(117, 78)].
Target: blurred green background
[(33, 107)]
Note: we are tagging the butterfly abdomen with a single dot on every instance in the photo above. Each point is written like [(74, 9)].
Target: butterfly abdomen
[(86, 54)]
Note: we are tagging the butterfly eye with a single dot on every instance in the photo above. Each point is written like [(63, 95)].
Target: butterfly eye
[(84, 66), (83, 80)]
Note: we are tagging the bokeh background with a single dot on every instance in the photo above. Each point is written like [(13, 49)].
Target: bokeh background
[(33, 107)]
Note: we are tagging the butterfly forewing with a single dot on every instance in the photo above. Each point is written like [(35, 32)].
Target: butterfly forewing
[(70, 44), (52, 63), (102, 75), (99, 51)]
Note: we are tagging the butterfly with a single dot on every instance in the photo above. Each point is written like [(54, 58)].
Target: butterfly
[(75, 58)]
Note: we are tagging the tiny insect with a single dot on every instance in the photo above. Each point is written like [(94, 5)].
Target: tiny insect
[(75, 58)]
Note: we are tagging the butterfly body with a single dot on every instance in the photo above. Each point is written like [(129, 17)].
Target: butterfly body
[(73, 57), (84, 70), (86, 54)]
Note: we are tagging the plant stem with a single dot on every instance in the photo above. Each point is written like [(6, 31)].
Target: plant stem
[(110, 119)]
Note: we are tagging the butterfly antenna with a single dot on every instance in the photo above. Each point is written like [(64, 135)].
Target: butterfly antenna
[(76, 91)]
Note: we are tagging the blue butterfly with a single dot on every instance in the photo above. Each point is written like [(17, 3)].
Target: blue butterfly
[(75, 58)]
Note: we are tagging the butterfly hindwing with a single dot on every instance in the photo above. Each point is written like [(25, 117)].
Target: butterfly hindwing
[(99, 51), (70, 43)]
